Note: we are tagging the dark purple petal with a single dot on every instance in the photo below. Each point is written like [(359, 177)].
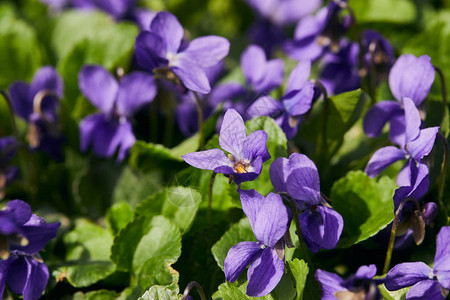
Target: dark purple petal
[(88, 127), (117, 8), (299, 102), (383, 158), (232, 133), (99, 86), (330, 282), (299, 76), (272, 220), (166, 25), (4, 270), (150, 51), (135, 90), (18, 275), (411, 77), (417, 184), (36, 281), (239, 257), (423, 144), (21, 101), (429, 212), (397, 129), (20, 210), (366, 272), (426, 289), (264, 106), (378, 115), (253, 63), (191, 75), (255, 145), (7, 224), (46, 78), (321, 227), (412, 120), (251, 202), (306, 49), (279, 171), (207, 51), (39, 233), (407, 274), (264, 273), (207, 160), (303, 183), (442, 258)]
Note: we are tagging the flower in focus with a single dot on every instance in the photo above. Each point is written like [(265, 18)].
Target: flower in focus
[(410, 77), (360, 285), (162, 50), (269, 219), (246, 153), (37, 104), (297, 101), (427, 283), (298, 176), (23, 235), (111, 128), (8, 148)]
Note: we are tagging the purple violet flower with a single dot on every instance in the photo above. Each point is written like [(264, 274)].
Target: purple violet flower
[(360, 285), (163, 50), (37, 104), (8, 173), (269, 219), (378, 55), (246, 153), (297, 101), (416, 144), (298, 176), (23, 235), (111, 128), (434, 283), (410, 77)]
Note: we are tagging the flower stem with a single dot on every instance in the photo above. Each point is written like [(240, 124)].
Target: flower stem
[(322, 144), (210, 193), (297, 225), (190, 286), (443, 86), (200, 121), (390, 248), (442, 177), (11, 113)]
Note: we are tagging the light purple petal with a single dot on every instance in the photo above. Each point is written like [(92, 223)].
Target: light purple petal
[(46, 78), (330, 282), (299, 102), (150, 51), (290, 11), (87, 130), (306, 49), (264, 273), (116, 8), (271, 221), (253, 63), (442, 258), (135, 90), (383, 158), (311, 25), (397, 129), (378, 115), (255, 145), (414, 182), (298, 76), (143, 18), (273, 77), (21, 101), (321, 227), (303, 183), (251, 202), (207, 160), (412, 120), (226, 91), (423, 144), (36, 281), (207, 51), (167, 26), (264, 106), (366, 272), (406, 274), (232, 133), (426, 289), (279, 171), (411, 77), (191, 75), (264, 8), (99, 86), (239, 257)]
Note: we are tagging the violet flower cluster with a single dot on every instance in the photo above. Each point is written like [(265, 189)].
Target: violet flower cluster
[(23, 235)]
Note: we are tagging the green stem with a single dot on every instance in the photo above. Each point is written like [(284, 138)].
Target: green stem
[(200, 121), (323, 142), (190, 286), (390, 248), (443, 86), (210, 193), (443, 173)]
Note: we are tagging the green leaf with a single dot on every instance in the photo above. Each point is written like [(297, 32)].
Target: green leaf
[(96, 295), (239, 232), (364, 203), (88, 250), (389, 11), (143, 239), (158, 292), (147, 156), (277, 147), (235, 291), (299, 269), (394, 295), (178, 204), (119, 215)]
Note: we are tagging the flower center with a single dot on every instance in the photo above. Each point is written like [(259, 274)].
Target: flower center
[(240, 168)]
